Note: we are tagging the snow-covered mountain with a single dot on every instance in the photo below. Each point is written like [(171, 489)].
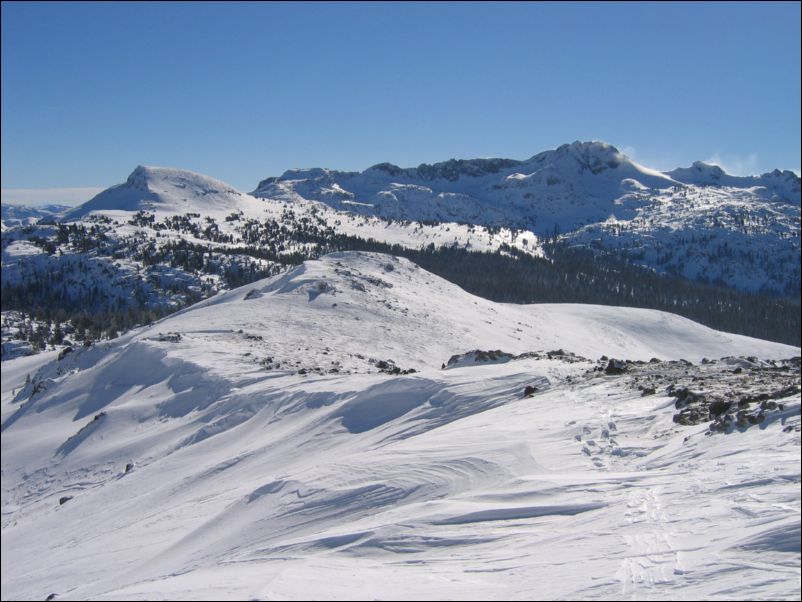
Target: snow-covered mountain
[(167, 190), (168, 237), (570, 186), (336, 431), (782, 185), (567, 187), (698, 222), (163, 192)]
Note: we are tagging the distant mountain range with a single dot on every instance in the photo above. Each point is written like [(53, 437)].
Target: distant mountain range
[(167, 237), (696, 222), (23, 215), (569, 187)]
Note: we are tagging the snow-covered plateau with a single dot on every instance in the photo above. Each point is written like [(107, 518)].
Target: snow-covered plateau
[(359, 428)]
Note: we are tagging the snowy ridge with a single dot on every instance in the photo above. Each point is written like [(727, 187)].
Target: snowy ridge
[(569, 186), (591, 193), (697, 222), (783, 185), (164, 191), (575, 184), (375, 304), (275, 452)]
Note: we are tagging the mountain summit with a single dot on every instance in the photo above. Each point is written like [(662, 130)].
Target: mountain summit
[(167, 190), (698, 222), (784, 185), (565, 188)]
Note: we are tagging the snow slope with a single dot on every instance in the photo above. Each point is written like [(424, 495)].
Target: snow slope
[(274, 456), (390, 309)]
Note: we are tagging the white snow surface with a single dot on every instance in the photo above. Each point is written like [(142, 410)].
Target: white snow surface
[(259, 478)]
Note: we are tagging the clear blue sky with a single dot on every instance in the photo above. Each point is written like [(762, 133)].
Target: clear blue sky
[(244, 91)]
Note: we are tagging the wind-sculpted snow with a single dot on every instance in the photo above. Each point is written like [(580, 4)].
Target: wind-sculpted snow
[(385, 403), (260, 445)]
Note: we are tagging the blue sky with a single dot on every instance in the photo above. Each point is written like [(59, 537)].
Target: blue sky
[(244, 91)]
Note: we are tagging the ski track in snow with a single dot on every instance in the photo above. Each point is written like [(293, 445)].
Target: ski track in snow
[(257, 483)]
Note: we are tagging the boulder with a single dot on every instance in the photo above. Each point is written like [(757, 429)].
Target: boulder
[(717, 408), (615, 367), (685, 397), (690, 416)]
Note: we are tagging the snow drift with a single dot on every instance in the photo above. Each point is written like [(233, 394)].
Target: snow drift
[(297, 438)]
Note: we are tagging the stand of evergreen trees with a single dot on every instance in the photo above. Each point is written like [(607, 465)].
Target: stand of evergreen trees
[(567, 275), (571, 275)]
